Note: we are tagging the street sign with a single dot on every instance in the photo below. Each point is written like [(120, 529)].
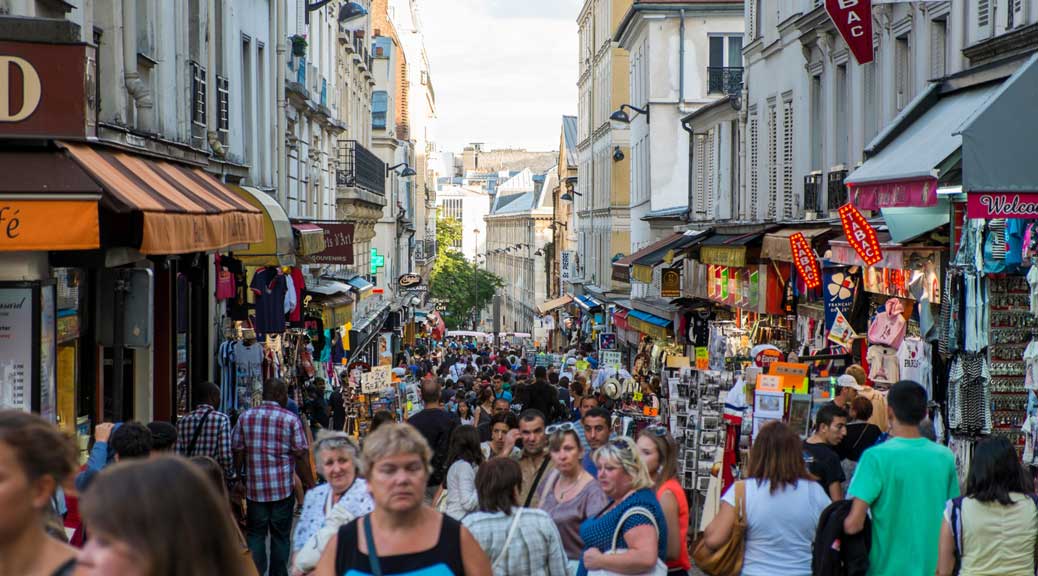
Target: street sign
[(853, 18)]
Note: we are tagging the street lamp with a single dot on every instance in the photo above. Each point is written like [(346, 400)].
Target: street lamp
[(568, 196), (348, 11), (624, 118), (407, 172)]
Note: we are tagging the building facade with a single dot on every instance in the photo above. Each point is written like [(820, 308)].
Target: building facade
[(469, 206)]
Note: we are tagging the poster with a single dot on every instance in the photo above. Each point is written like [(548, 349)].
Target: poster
[(48, 352), (380, 378), (611, 359), (840, 284), (16, 366), (607, 341)]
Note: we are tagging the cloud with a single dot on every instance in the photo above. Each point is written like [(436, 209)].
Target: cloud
[(504, 71)]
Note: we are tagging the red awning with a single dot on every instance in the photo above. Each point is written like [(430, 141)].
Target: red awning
[(896, 193), (620, 319)]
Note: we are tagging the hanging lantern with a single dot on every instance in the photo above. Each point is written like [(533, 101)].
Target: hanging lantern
[(860, 234), (805, 260)]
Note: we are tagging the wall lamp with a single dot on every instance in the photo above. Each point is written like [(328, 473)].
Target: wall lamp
[(407, 172), (348, 11), (622, 116), (618, 154), (568, 196)]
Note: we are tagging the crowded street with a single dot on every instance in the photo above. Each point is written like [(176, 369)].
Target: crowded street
[(518, 288)]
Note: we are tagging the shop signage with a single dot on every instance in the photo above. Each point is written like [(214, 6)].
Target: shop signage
[(723, 255), (853, 18), (840, 286), (380, 378), (338, 244), (734, 286), (378, 261), (43, 90), (566, 266), (611, 359), (16, 345), (988, 205), (897, 194), (860, 235), (607, 341), (28, 224), (670, 283), (702, 358), (805, 260), (409, 280)]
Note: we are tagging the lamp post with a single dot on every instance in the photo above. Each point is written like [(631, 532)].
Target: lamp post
[(473, 285)]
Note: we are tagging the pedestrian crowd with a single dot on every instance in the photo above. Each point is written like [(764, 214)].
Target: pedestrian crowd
[(508, 469)]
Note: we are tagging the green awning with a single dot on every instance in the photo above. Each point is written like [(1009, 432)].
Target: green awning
[(906, 224)]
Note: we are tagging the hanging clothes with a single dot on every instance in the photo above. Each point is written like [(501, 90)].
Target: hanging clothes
[(270, 287), (913, 360)]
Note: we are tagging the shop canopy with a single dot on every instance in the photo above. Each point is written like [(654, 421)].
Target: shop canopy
[(729, 249), (649, 324), (906, 161), (776, 244), (361, 286), (181, 208), (587, 303), (639, 265), (998, 139), (555, 304), (309, 238), (277, 248), (330, 293)]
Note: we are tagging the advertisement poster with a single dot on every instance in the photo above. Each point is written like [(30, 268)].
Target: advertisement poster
[(840, 285), (48, 353), (16, 366)]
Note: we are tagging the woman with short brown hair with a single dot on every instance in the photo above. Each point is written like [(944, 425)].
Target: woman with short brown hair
[(782, 502)]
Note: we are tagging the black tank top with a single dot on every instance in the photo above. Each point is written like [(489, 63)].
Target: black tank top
[(443, 559)]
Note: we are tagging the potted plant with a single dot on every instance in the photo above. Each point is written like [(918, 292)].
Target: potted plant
[(298, 44)]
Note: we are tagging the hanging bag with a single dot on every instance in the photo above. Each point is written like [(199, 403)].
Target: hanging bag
[(726, 560), (508, 541), (660, 569)]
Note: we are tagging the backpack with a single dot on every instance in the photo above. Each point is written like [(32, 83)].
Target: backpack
[(956, 526), (835, 553)]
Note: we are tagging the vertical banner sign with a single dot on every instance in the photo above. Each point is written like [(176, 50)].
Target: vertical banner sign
[(840, 286), (805, 261), (860, 235), (566, 266), (853, 18)]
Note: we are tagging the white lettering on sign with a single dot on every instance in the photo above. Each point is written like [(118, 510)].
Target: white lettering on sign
[(32, 91), (845, 4)]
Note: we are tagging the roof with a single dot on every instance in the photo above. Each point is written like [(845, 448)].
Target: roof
[(521, 182), (570, 137), (673, 6), (513, 203)]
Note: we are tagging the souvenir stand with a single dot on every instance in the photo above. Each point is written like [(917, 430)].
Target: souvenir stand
[(373, 389)]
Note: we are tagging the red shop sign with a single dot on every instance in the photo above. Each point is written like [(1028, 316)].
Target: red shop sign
[(853, 18), (860, 234), (805, 261), (988, 205)]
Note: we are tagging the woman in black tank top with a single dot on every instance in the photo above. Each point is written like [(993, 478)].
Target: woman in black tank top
[(402, 535)]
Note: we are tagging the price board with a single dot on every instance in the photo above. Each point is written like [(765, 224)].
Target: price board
[(612, 359), (379, 378)]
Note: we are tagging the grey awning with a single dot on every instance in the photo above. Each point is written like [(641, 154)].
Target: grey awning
[(998, 139), (924, 144)]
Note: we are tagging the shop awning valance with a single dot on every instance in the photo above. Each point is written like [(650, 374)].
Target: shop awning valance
[(41, 188), (776, 244), (183, 208), (649, 324), (728, 249), (555, 304), (620, 319), (998, 140), (587, 303), (309, 238), (277, 248), (904, 161), (895, 255), (639, 264)]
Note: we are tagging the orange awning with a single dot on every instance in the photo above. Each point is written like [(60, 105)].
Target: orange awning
[(184, 209)]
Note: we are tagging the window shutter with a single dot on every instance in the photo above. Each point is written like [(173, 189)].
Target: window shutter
[(772, 162), (700, 203), (938, 48), (983, 19), (708, 196), (1018, 15), (754, 167), (751, 20), (789, 201)]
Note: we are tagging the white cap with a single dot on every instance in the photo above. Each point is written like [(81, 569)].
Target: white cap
[(571, 361), (848, 381)]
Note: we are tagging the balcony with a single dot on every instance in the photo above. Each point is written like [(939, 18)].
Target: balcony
[(725, 80), (813, 192), (358, 167), (425, 251)]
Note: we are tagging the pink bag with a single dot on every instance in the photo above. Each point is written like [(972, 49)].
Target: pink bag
[(888, 327)]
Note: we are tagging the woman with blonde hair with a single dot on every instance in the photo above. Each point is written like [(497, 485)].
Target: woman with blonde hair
[(402, 535), (642, 540), (659, 451)]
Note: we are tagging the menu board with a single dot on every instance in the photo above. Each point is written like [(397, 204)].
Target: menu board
[(16, 367)]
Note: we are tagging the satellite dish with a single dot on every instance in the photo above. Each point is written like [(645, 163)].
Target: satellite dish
[(611, 388)]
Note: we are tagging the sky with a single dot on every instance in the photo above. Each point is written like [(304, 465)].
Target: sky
[(504, 71)]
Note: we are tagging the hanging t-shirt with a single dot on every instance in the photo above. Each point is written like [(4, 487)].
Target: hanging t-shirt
[(269, 287), (883, 364), (299, 283), (238, 304), (248, 364), (225, 288), (290, 294), (913, 360)]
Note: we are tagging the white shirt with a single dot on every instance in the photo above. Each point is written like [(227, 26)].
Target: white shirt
[(461, 490), (780, 527)]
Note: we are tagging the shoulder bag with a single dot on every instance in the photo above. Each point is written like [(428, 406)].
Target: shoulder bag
[(660, 569), (726, 560), (508, 541)]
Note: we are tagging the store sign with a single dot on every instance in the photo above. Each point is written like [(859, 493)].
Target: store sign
[(607, 341), (611, 359), (44, 90), (840, 286), (723, 255), (988, 205), (670, 283), (566, 266), (16, 345), (860, 234), (338, 244), (853, 18), (29, 224), (896, 194), (409, 280), (380, 378), (805, 260)]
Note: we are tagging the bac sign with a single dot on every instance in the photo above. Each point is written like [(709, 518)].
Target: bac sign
[(853, 18), (860, 235), (805, 261)]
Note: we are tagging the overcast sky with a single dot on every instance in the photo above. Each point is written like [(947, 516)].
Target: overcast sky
[(504, 71)]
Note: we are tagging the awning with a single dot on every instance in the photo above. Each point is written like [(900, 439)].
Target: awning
[(998, 140), (895, 255), (727, 249), (277, 248), (309, 238), (550, 305), (620, 319), (652, 255), (41, 188), (361, 286), (587, 303), (776, 244), (183, 208), (907, 224), (905, 170), (649, 324)]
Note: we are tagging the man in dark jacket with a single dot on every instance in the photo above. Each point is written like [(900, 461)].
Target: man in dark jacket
[(836, 553), (541, 396)]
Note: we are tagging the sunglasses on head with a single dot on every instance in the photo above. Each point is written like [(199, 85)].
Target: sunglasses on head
[(557, 428), (657, 430), (620, 444)]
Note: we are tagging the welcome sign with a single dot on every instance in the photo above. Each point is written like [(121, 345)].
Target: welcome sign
[(988, 205)]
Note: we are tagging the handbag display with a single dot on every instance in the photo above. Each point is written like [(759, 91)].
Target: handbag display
[(660, 569), (726, 560)]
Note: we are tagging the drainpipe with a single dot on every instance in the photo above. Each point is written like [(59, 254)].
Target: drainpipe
[(681, 63), (279, 88), (136, 87), (212, 90), (687, 126)]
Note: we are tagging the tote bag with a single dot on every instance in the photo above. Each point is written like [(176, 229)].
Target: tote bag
[(726, 560), (660, 569)]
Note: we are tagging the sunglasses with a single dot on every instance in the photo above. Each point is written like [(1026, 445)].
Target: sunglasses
[(658, 430), (619, 444), (558, 428)]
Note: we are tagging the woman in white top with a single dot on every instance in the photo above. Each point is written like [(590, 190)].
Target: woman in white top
[(463, 458), (465, 413), (783, 504)]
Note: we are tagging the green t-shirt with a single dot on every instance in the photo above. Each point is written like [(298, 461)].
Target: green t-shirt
[(906, 483)]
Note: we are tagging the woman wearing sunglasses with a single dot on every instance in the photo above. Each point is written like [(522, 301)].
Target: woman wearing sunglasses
[(659, 451), (641, 545), (570, 495)]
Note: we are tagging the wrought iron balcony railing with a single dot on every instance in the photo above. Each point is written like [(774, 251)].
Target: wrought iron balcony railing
[(725, 80), (356, 166), (813, 192)]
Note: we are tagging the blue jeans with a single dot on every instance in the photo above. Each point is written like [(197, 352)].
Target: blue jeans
[(274, 518)]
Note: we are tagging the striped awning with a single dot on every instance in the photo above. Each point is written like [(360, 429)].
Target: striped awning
[(184, 209)]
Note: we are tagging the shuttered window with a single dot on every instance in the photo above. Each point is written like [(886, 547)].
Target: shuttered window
[(711, 168), (754, 166), (983, 30), (789, 201), (773, 166), (938, 48)]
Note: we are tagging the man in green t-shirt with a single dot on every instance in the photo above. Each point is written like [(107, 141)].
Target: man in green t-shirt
[(906, 482)]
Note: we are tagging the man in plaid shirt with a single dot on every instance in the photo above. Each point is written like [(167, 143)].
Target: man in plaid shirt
[(206, 431), (270, 441)]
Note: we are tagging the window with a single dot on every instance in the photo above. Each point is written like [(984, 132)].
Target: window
[(842, 130), (754, 164), (938, 48), (983, 20), (870, 103), (903, 71), (247, 95), (817, 122), (198, 93), (772, 162), (725, 68), (789, 203), (379, 107)]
